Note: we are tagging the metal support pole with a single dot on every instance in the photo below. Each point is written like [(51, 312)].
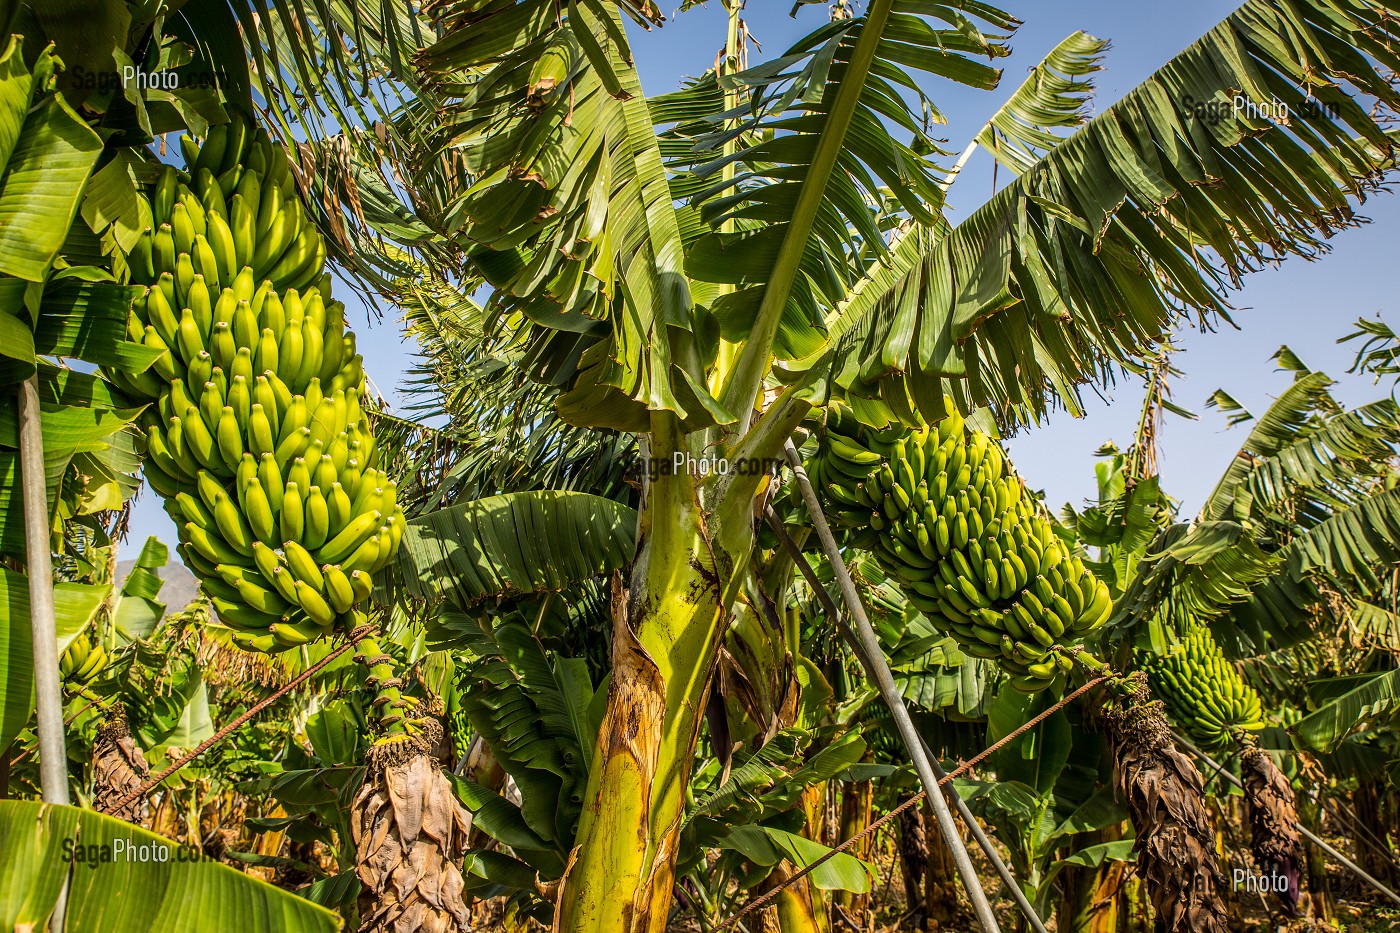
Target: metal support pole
[(975, 828), (993, 855), (48, 692), (884, 681), (1341, 859)]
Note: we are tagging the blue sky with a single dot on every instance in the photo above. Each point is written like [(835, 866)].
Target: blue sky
[(1306, 305)]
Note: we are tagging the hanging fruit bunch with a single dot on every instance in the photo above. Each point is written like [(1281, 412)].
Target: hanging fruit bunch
[(258, 441), (82, 663), (1204, 693), (945, 514)]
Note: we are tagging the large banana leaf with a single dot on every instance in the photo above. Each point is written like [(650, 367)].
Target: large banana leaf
[(87, 321), (114, 890), (1378, 699), (567, 200), (136, 610), (46, 153), (1139, 220), (75, 604), (810, 156), (526, 542)]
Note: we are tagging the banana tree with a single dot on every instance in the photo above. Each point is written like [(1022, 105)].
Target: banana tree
[(700, 269), (1256, 595), (632, 304)]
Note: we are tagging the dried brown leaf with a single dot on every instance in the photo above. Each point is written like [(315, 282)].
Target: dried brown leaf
[(1175, 842)]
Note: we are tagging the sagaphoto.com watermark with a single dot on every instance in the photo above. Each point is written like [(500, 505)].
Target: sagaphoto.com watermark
[(681, 462), (126, 852), (1217, 109)]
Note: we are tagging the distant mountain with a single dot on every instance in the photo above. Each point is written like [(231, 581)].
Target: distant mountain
[(180, 585)]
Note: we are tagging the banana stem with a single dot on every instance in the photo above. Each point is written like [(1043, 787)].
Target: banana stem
[(391, 707)]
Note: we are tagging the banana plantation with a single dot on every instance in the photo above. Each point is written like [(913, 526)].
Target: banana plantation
[(685, 581)]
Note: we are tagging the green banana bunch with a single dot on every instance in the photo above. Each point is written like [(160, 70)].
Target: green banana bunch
[(237, 207), (946, 515), (1203, 692), (258, 440), (83, 662)]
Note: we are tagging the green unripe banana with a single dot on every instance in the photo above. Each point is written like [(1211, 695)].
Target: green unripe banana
[(953, 526), (258, 436)]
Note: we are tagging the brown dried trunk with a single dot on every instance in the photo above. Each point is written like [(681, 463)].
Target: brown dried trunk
[(855, 817), (1091, 902), (119, 769), (940, 878), (1163, 791), (409, 831), (913, 857), (1273, 824)]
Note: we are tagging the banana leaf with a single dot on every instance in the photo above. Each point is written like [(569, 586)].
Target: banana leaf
[(47, 152), (75, 604), (526, 542), (1376, 699), (114, 890)]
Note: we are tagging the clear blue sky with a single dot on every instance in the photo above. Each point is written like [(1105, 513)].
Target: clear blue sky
[(1306, 305)]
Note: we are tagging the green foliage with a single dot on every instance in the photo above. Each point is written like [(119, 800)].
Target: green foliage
[(75, 606), (536, 714), (136, 611), (130, 896), (1054, 96), (1371, 704), (1051, 795), (985, 313), (528, 542), (799, 135)]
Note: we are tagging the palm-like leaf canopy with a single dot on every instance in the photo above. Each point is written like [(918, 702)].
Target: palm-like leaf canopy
[(1302, 513), (521, 138), (1139, 220)]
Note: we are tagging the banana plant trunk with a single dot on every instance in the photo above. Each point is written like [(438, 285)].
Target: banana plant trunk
[(817, 915), (1091, 902), (913, 861), (856, 802), (666, 631), (940, 877), (799, 907)]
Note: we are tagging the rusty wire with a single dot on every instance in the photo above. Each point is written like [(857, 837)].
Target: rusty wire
[(354, 639)]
